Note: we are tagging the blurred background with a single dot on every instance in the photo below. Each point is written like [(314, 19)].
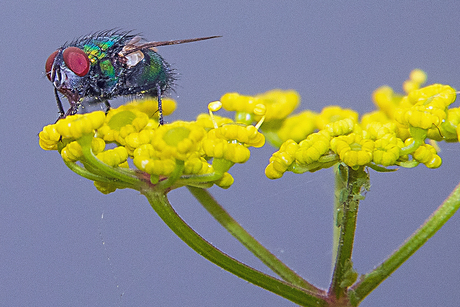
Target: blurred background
[(62, 243)]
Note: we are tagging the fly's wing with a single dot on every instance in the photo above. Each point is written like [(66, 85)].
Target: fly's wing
[(134, 44), (146, 71)]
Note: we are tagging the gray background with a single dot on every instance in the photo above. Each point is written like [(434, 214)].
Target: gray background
[(332, 52)]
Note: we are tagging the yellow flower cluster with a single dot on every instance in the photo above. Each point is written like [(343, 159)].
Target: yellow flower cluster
[(278, 105), (200, 152), (224, 142), (393, 135)]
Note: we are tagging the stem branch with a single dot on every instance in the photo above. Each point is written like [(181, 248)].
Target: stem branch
[(372, 279), (235, 229), (160, 204)]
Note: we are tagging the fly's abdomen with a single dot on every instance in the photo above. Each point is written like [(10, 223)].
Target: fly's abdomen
[(149, 74)]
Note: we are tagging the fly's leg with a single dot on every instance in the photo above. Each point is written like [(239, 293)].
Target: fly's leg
[(107, 106), (160, 107), (91, 103), (94, 101), (74, 106), (73, 109), (59, 104)]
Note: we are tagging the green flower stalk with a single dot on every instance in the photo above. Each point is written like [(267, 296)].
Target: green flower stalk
[(127, 148)]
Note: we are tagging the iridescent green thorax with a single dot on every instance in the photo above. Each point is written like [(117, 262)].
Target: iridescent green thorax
[(100, 50), (97, 49)]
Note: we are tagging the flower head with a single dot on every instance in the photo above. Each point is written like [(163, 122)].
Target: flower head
[(425, 108), (178, 140), (298, 126), (387, 150), (278, 103), (201, 152), (333, 114), (353, 149), (393, 135), (121, 122), (197, 153), (231, 142)]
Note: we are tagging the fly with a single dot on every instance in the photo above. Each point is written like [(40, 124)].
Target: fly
[(104, 65)]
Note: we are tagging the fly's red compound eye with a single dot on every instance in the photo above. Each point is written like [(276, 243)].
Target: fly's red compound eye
[(76, 60), (49, 64)]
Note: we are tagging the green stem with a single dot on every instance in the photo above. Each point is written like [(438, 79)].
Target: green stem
[(166, 184), (160, 204), (73, 166), (232, 226), (340, 186), (203, 178), (371, 280), (354, 181), (91, 161), (272, 137)]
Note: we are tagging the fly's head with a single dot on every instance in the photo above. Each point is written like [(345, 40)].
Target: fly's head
[(68, 69)]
